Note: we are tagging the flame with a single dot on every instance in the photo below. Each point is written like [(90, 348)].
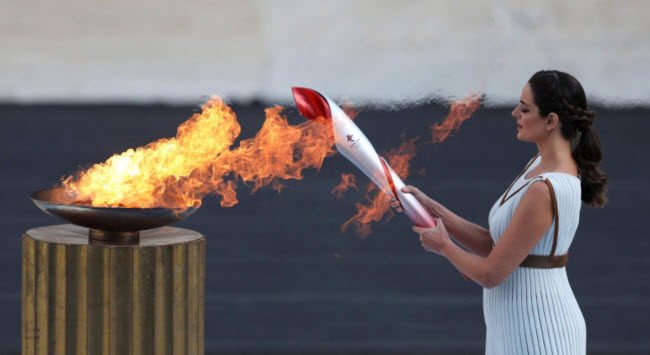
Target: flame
[(278, 187), (180, 171), (377, 206), (460, 111), (350, 110), (347, 181)]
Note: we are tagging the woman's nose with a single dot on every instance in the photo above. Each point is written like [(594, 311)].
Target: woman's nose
[(514, 113)]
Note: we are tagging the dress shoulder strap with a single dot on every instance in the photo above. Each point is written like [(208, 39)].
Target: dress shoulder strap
[(550, 261), (555, 214), (504, 199), (505, 196)]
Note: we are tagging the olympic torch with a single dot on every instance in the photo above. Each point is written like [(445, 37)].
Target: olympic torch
[(354, 145)]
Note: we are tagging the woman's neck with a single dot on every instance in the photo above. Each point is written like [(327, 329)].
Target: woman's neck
[(555, 153)]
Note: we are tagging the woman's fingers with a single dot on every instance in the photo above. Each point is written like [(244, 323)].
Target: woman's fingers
[(425, 200), (411, 190), (394, 203), (419, 195), (417, 229)]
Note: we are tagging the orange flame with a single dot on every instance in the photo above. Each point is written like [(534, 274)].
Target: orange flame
[(180, 171), (460, 111), (350, 110), (347, 181), (378, 206), (278, 187)]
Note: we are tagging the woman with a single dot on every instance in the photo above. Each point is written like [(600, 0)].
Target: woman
[(528, 304)]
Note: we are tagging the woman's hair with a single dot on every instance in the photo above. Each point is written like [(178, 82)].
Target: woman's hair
[(561, 93)]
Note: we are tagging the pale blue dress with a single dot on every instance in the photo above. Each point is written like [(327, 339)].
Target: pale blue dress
[(534, 311)]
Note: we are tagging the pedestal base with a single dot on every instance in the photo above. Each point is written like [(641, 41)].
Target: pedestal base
[(87, 298)]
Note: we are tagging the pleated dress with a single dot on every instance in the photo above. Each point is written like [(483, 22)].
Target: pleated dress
[(534, 310)]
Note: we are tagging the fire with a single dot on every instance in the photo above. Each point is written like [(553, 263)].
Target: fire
[(350, 110), (347, 181), (377, 206), (180, 171), (460, 111), (278, 187), (201, 160)]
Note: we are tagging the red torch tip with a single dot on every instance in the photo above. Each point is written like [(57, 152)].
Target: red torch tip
[(311, 104)]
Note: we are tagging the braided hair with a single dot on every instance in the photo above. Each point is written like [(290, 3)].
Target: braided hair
[(561, 93)]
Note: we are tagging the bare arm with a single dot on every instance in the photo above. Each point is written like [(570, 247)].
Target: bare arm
[(470, 235), (527, 226)]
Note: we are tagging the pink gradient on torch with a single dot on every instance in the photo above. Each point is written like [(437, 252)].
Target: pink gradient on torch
[(391, 183), (390, 180)]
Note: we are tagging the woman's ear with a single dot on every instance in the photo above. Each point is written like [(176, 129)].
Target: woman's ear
[(552, 121)]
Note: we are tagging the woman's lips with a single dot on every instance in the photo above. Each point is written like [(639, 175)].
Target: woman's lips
[(519, 126)]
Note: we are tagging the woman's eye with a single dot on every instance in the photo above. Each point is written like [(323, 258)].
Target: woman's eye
[(524, 110)]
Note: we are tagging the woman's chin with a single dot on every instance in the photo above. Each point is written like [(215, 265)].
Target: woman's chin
[(521, 137)]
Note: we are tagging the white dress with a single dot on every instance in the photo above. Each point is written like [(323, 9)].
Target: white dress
[(534, 310)]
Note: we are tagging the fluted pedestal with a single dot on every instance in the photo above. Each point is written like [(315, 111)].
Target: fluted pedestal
[(91, 298)]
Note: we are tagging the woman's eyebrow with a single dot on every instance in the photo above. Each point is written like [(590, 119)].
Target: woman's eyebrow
[(522, 101)]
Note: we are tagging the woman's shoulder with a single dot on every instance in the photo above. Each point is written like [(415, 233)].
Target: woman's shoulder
[(556, 183), (561, 178), (562, 186)]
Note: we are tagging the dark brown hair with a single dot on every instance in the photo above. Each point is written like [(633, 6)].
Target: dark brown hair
[(561, 93)]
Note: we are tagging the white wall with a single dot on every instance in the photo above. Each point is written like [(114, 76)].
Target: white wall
[(178, 51)]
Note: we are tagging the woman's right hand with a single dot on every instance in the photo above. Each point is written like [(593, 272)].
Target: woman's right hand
[(394, 204), (425, 200)]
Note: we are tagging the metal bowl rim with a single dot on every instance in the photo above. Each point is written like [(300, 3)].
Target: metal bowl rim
[(117, 209)]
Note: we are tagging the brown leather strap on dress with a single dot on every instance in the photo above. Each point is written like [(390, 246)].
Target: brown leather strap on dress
[(555, 214), (545, 261), (505, 196), (519, 189), (551, 261)]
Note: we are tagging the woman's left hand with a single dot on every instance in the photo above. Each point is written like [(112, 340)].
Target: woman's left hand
[(434, 239)]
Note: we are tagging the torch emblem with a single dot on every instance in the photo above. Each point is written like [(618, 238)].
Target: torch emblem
[(354, 143)]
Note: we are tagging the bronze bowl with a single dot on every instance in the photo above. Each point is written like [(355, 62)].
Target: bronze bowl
[(108, 223)]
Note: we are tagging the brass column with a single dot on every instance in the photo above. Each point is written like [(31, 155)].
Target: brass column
[(81, 297)]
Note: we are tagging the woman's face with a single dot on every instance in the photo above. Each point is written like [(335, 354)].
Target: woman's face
[(531, 127)]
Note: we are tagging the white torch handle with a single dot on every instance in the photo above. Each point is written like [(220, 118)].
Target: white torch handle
[(411, 206), (356, 147)]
